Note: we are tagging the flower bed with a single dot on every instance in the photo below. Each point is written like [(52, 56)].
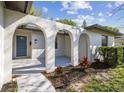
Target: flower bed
[(63, 81), (75, 78)]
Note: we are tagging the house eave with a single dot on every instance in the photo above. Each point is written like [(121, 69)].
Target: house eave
[(21, 6), (103, 30)]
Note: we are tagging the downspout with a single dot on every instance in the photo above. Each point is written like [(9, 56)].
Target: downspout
[(26, 5)]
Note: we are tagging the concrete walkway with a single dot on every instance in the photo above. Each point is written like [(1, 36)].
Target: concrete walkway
[(34, 83)]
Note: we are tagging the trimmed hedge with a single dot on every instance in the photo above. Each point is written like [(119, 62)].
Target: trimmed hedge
[(111, 55)]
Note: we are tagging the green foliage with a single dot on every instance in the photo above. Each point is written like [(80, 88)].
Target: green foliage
[(116, 84), (71, 89), (111, 28), (31, 12), (35, 11), (120, 55), (111, 55), (67, 21)]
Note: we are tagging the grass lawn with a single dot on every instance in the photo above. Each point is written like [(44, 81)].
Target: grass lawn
[(116, 83)]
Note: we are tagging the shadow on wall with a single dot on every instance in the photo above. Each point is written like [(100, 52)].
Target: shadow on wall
[(11, 17), (38, 47), (42, 60)]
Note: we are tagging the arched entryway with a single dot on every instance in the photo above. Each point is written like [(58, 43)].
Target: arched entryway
[(84, 46), (63, 48), (28, 49)]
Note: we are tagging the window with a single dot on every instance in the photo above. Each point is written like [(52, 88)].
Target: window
[(56, 43), (104, 40)]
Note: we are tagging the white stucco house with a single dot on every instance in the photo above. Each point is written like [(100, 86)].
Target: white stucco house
[(119, 41), (29, 39)]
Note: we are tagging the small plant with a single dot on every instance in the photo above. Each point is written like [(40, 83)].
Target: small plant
[(59, 70), (84, 63)]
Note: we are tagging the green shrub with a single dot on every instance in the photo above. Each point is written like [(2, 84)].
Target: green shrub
[(120, 55), (111, 55)]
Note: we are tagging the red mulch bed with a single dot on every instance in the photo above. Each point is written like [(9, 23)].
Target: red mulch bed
[(71, 74)]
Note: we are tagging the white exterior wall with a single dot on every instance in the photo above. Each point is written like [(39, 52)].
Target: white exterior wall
[(95, 41), (38, 47), (111, 41), (1, 44), (12, 21), (11, 17), (49, 28), (119, 41)]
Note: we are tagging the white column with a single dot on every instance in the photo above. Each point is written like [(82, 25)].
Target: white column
[(1, 56), (1, 43), (74, 52), (50, 52), (8, 38)]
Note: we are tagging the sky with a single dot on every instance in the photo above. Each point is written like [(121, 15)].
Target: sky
[(94, 12)]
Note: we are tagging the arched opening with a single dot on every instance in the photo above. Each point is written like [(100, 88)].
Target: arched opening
[(84, 46), (63, 48), (28, 50)]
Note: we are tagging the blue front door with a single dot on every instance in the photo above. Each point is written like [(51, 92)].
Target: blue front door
[(21, 46)]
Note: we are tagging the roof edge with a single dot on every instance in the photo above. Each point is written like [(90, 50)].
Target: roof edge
[(104, 29)]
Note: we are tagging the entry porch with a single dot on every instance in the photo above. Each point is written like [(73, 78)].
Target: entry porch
[(28, 66)]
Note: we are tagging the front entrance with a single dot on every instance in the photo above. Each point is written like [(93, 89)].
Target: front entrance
[(28, 52), (21, 46)]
